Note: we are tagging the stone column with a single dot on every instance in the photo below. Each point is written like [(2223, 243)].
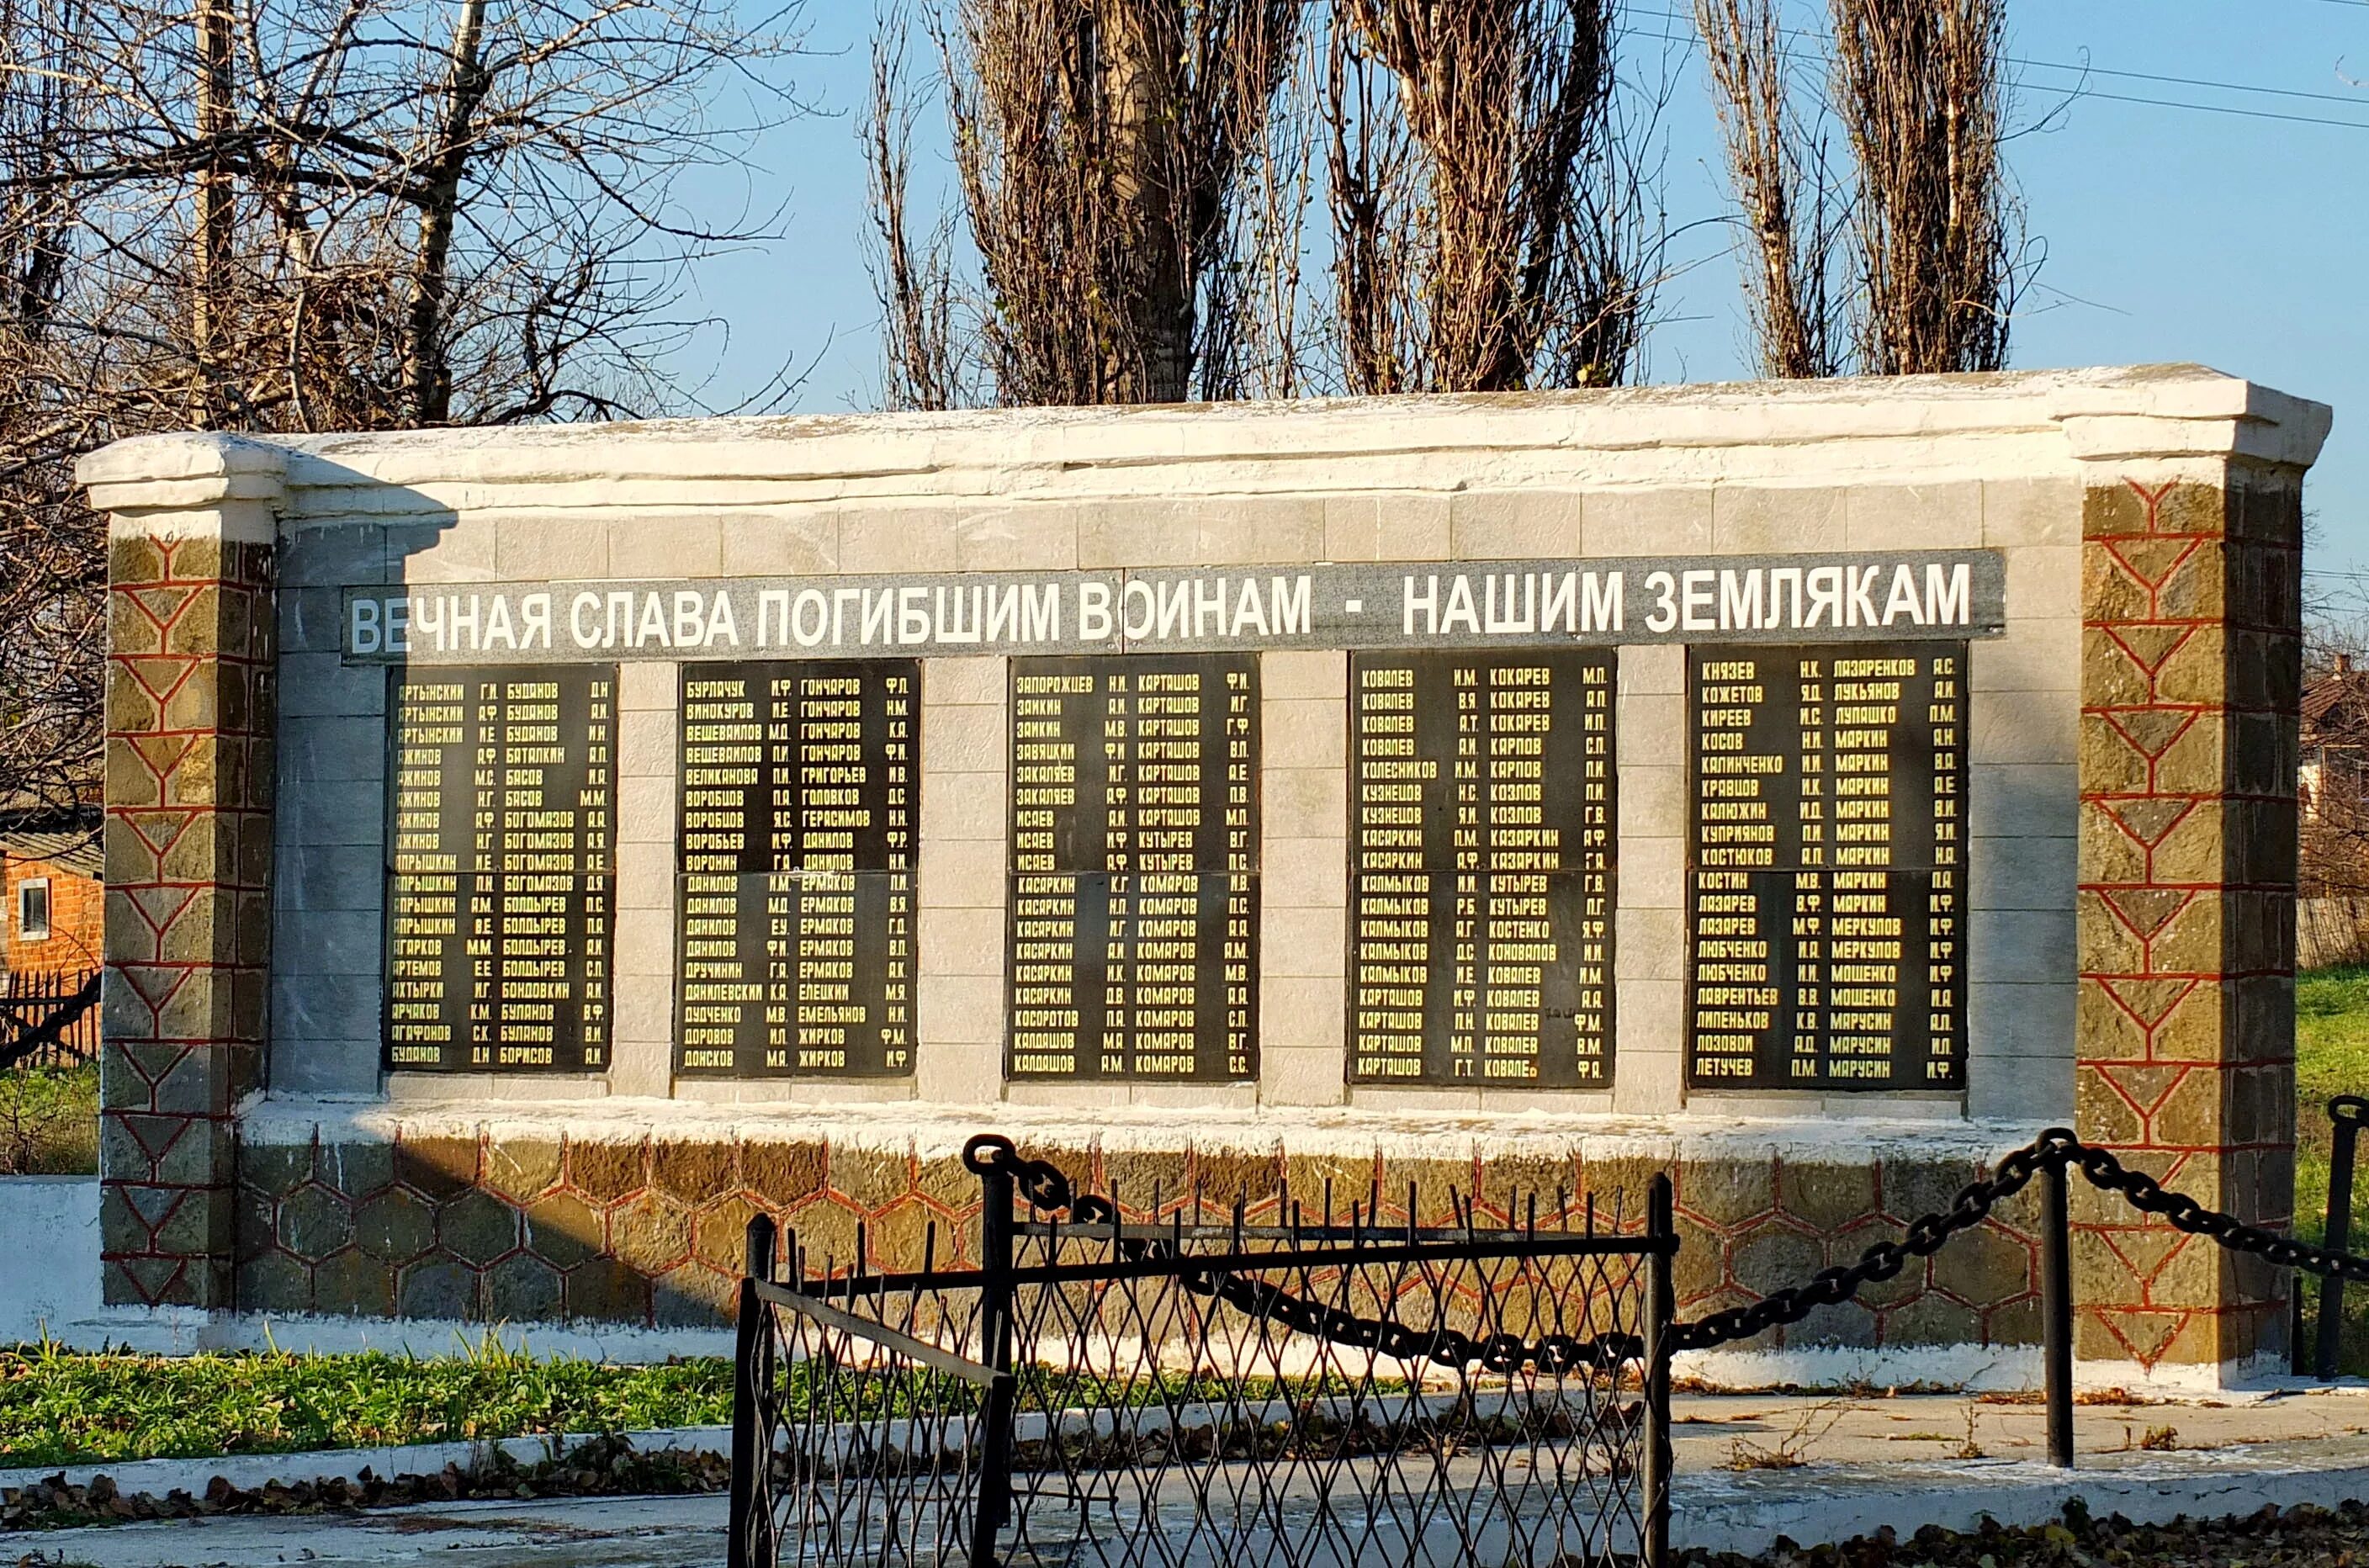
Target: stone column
[(190, 717), (2185, 1056)]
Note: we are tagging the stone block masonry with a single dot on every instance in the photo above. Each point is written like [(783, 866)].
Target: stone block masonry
[(2192, 676), (491, 1225), (190, 733), (2119, 752)]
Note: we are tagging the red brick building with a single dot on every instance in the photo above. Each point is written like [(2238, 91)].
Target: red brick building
[(51, 896)]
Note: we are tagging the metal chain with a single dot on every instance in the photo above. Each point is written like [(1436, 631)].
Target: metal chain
[(1929, 1233), (1047, 1190), (2144, 1192)]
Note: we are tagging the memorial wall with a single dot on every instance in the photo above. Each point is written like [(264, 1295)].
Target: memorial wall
[(1479, 949), (1765, 784)]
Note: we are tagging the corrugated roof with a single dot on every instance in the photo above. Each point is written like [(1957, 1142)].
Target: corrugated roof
[(74, 850)]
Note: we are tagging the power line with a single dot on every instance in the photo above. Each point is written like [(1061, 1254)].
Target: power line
[(2230, 108), (2356, 100), (1690, 39)]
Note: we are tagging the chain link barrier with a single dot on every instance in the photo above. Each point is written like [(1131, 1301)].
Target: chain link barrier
[(1929, 1233), (1047, 1190)]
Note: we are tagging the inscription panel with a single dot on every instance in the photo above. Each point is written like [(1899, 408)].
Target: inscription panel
[(1873, 596), (1826, 880), (1134, 869), (501, 867), (1483, 814), (801, 791)]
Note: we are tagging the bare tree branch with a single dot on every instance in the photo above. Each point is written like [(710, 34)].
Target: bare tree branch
[(330, 214), (1919, 87), (1109, 153), (1801, 322), (1493, 227)]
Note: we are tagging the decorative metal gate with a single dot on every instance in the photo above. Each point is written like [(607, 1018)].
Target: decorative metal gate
[(1328, 1390)]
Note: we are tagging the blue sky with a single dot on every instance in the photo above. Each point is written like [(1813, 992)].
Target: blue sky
[(2238, 241)]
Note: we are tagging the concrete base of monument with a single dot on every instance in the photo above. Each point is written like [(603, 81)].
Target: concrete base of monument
[(613, 1229), (51, 1276), (582, 1214)]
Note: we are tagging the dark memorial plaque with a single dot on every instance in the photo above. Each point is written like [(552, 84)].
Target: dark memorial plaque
[(1825, 899), (1483, 814), (800, 798), (1135, 846), (502, 826)]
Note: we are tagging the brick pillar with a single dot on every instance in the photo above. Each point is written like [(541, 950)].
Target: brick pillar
[(2185, 1063), (189, 721)]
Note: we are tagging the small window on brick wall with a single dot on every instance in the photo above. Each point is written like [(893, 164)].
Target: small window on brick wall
[(33, 909)]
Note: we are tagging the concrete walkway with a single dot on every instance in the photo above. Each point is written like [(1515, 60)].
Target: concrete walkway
[(1749, 1467), (1744, 1431), (601, 1532)]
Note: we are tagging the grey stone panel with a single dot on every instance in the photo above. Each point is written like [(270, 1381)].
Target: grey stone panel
[(337, 811), (324, 685), (332, 748), (310, 878), (338, 555)]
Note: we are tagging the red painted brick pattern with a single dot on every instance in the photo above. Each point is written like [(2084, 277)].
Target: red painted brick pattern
[(2185, 1059), (188, 855)]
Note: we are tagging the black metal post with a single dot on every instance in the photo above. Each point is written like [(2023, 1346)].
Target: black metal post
[(749, 1543), (2345, 1114), (995, 1293), (1661, 1311), (2056, 1311)]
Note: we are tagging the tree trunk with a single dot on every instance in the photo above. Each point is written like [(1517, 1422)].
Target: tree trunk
[(427, 366), (1142, 91), (210, 264)]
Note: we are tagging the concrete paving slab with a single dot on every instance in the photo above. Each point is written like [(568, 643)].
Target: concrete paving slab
[(1715, 1432), (1750, 1468), (251, 1472), (600, 1532)]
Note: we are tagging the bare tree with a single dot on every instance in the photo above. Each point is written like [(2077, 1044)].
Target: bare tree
[(1102, 149), (407, 212), (52, 551), (1493, 224), (1799, 312), (914, 279), (1920, 85), (316, 215), (2332, 920)]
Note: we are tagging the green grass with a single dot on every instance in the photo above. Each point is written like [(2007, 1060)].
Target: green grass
[(62, 1407), (49, 1121), (2331, 1059)]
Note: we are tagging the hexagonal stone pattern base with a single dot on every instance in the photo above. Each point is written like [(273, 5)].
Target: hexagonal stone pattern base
[(650, 1233)]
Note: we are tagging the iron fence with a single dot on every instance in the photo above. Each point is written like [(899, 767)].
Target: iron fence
[(48, 1020), (1185, 1392), (1184, 1395)]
